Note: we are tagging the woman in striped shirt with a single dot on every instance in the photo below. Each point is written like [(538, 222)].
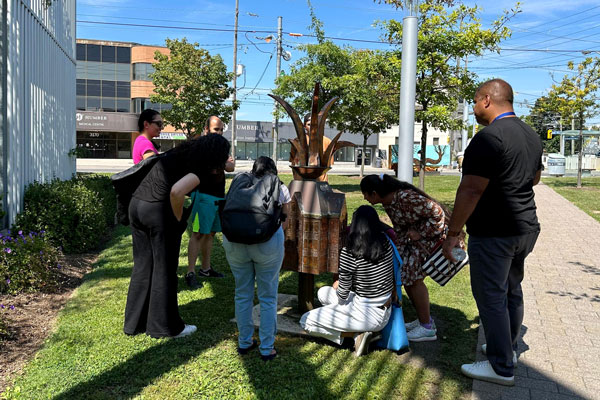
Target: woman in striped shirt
[(359, 302)]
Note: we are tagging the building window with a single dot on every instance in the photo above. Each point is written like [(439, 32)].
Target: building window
[(141, 104), (345, 154), (142, 71), (93, 52), (81, 87), (108, 54), (436, 141), (81, 52)]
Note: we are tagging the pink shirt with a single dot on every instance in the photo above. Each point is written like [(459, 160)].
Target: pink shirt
[(140, 146)]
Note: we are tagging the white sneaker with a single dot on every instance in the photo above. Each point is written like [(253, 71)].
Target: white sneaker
[(361, 343), (187, 330), (412, 325), (484, 351), (483, 371), (422, 334)]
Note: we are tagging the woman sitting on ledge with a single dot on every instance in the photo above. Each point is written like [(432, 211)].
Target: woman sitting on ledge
[(358, 304)]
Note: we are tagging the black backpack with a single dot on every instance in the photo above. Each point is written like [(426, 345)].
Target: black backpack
[(252, 210), (126, 182)]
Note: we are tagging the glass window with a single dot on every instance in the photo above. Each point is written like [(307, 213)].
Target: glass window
[(284, 151), (108, 88), (142, 71), (124, 148), (137, 105), (124, 55), (93, 52), (123, 105), (108, 54), (123, 72), (92, 70), (80, 87), (109, 104), (250, 151), (240, 151), (264, 149), (81, 103), (124, 89), (436, 141), (93, 87), (108, 71), (93, 103), (81, 52)]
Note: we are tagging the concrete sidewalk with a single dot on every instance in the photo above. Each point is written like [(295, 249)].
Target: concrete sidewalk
[(559, 354)]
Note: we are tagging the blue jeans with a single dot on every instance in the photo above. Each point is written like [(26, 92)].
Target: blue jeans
[(261, 263)]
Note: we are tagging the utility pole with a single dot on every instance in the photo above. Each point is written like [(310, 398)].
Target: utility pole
[(275, 118), (235, 32), (408, 82), (464, 134)]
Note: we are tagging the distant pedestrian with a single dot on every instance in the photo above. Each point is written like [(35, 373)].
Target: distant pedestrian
[(496, 201), (149, 125), (205, 217)]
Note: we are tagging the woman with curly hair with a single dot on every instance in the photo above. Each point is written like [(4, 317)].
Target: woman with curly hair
[(157, 223)]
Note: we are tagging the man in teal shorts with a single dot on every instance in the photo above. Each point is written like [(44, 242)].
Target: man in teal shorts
[(205, 218)]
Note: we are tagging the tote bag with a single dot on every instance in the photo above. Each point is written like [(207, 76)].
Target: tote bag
[(393, 336), (439, 268)]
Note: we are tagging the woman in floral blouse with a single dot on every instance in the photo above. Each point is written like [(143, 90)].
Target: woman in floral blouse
[(420, 222)]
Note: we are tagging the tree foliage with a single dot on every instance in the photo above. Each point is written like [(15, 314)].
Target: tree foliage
[(194, 82), (576, 96), (447, 32)]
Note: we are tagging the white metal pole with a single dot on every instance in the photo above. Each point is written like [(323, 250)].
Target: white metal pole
[(235, 32), (408, 84)]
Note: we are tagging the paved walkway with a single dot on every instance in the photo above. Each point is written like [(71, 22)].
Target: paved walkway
[(559, 354)]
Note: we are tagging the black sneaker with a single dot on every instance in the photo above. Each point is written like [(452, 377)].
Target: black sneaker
[(210, 273), (192, 282)]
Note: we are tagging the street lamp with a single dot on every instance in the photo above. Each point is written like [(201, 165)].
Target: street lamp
[(408, 83)]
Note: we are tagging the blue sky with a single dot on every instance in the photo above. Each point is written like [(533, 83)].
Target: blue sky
[(541, 34)]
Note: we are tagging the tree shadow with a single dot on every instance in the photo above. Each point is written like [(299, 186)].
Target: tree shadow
[(588, 269)]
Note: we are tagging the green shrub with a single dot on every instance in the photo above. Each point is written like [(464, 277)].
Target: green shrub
[(27, 262), (102, 185), (71, 214)]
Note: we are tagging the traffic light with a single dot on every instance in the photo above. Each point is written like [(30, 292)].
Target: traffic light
[(549, 134)]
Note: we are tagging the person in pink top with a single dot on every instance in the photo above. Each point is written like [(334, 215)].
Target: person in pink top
[(149, 124)]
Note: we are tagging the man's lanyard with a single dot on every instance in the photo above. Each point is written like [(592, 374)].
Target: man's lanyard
[(506, 114)]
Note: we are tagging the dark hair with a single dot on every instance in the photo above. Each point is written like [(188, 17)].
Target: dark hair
[(207, 152), (146, 116), (307, 118), (264, 165), (366, 239), (385, 184)]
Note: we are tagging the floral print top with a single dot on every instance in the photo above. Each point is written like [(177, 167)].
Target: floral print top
[(411, 211)]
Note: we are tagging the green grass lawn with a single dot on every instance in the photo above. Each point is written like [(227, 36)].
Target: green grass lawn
[(89, 357), (585, 198)]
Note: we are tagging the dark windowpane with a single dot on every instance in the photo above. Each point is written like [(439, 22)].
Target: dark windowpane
[(93, 87), (166, 107), (93, 52), (80, 87), (123, 105), (124, 55), (81, 103), (108, 54), (81, 52), (124, 89), (108, 104), (93, 103), (108, 89)]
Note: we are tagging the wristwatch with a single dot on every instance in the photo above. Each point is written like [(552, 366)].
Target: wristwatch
[(453, 233)]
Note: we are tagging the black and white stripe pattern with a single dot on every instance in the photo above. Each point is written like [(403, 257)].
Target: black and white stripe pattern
[(365, 278), (440, 269)]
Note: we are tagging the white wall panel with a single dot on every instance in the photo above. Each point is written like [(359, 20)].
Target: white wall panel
[(40, 123)]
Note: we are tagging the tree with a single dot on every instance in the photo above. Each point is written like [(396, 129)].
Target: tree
[(195, 83), (577, 97), (447, 32)]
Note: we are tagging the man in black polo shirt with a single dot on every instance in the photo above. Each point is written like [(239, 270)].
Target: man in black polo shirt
[(496, 201)]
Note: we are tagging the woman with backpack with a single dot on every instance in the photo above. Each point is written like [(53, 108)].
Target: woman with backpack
[(256, 263), (157, 223), (420, 222), (358, 303)]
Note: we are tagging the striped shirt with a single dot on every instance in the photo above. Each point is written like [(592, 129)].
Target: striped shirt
[(365, 278)]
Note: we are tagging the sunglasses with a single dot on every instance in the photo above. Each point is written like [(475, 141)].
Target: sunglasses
[(158, 123)]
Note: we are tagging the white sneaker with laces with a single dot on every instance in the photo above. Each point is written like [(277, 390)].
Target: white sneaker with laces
[(483, 371), (414, 324), (187, 330), (422, 334), (484, 351)]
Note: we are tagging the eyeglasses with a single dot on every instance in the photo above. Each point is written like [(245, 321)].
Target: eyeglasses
[(158, 123)]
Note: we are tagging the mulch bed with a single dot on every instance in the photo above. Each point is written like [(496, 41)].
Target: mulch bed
[(34, 316)]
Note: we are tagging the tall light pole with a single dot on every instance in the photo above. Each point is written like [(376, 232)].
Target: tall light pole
[(235, 32), (463, 132), (408, 82), (275, 118)]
